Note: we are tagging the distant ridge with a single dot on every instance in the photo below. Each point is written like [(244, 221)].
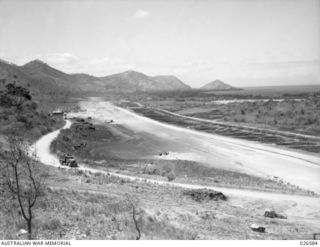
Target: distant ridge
[(137, 81), (170, 82), (218, 85), (4, 61), (42, 79)]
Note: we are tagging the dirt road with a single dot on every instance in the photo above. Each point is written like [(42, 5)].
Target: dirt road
[(41, 148)]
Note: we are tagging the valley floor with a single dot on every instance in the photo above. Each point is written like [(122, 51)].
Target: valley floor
[(95, 200), (213, 150), (121, 170)]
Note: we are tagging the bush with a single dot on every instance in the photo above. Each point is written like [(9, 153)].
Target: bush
[(151, 170), (22, 118), (52, 225), (33, 105), (205, 195), (171, 176)]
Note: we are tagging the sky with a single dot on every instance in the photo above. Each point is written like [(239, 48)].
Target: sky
[(242, 42)]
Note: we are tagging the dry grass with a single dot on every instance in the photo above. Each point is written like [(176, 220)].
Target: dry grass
[(197, 173), (73, 208)]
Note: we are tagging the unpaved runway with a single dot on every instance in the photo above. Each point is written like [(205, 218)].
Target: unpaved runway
[(303, 209), (229, 124), (298, 168)]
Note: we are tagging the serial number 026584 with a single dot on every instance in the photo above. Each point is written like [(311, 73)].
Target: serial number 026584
[(309, 242)]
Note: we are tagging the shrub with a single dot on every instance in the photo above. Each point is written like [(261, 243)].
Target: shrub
[(152, 170), (33, 106), (22, 118), (52, 225), (205, 195), (79, 172), (171, 176)]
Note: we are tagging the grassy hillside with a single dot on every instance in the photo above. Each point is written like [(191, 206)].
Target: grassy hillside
[(20, 115), (82, 205)]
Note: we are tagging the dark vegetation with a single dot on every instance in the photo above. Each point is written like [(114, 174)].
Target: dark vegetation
[(20, 114), (83, 138), (273, 214), (200, 195), (300, 116)]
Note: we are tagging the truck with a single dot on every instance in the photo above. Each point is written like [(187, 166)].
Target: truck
[(68, 160)]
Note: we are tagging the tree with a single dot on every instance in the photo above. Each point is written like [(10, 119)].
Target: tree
[(20, 180), (136, 213)]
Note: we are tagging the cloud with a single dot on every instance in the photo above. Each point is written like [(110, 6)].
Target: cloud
[(58, 58), (70, 63), (141, 14)]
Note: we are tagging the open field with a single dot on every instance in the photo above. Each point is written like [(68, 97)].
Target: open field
[(213, 150), (300, 115), (293, 108), (292, 90), (102, 153), (305, 143), (81, 205)]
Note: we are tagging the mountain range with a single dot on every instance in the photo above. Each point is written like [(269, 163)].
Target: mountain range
[(44, 80), (137, 81), (41, 78)]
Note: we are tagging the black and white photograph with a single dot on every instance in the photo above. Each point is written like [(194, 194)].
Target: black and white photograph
[(159, 120)]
